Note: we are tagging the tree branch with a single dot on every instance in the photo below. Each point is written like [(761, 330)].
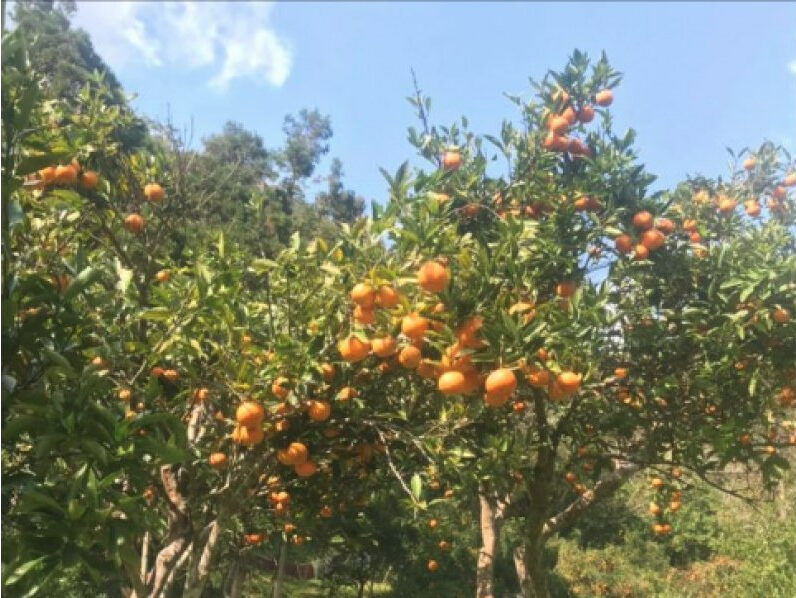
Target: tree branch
[(392, 467), (177, 566), (602, 489)]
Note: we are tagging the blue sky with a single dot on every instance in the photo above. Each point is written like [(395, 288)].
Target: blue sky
[(698, 76)]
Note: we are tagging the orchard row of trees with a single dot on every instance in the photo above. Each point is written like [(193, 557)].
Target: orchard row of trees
[(201, 370)]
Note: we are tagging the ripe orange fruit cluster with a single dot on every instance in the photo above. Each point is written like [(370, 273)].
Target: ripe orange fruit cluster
[(154, 192), (253, 539), (217, 460), (319, 411), (786, 396), (752, 208), (171, 375), (68, 174), (134, 223), (572, 479), (661, 528), (650, 237), (353, 348), (565, 384), (451, 160), (433, 277), (499, 386), (558, 123), (587, 203), (280, 499), (249, 429), (366, 298), (456, 373), (297, 455)]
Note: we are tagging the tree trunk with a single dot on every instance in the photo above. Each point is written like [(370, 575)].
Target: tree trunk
[(535, 583), (279, 576), (199, 570), (519, 563), (181, 563), (145, 555), (531, 570), (233, 585), (782, 501), (490, 529), (177, 540), (165, 561)]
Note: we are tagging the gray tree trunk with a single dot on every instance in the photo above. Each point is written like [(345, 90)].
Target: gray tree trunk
[(280, 572), (490, 521)]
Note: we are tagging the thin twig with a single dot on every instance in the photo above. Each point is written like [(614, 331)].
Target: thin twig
[(392, 467), (421, 110)]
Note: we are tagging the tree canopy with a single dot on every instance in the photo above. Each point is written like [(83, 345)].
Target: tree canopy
[(201, 369)]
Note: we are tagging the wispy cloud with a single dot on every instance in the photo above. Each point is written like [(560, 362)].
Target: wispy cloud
[(792, 66), (229, 40)]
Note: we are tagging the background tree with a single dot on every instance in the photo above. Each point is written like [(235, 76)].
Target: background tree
[(306, 135), (337, 203), (65, 59)]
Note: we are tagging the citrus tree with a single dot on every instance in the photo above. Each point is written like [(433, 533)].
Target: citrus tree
[(518, 340), (142, 372), (615, 330)]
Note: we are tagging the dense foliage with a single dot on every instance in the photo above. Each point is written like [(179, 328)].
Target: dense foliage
[(202, 370)]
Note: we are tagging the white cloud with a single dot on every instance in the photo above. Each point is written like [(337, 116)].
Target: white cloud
[(792, 66), (231, 40), (264, 53)]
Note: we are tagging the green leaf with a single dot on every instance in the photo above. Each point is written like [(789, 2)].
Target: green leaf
[(23, 570), (203, 272), (262, 265), (20, 424), (753, 384), (75, 509), (33, 500), (61, 361), (197, 347), (416, 485), (331, 269), (95, 449), (71, 198), (166, 453), (29, 97), (81, 281), (747, 292), (157, 314)]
